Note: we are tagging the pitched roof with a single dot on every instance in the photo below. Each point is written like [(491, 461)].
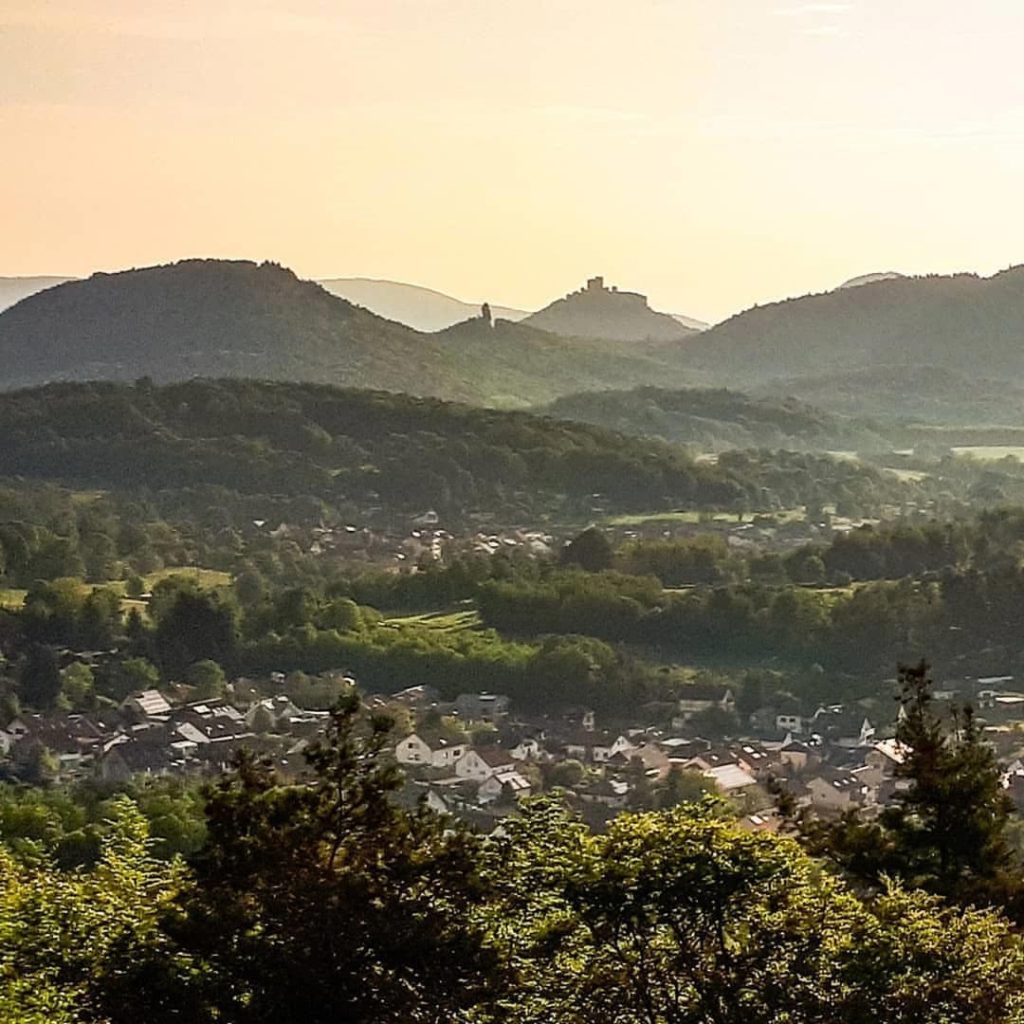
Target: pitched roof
[(728, 777), (150, 702)]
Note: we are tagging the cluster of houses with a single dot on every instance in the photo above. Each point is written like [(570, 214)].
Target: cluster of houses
[(401, 545), (476, 757), (147, 735), (471, 771)]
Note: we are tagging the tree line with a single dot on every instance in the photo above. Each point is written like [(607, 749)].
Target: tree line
[(325, 900)]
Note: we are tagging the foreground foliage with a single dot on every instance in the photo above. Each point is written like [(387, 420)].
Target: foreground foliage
[(326, 901)]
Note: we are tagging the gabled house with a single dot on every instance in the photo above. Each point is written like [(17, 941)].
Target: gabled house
[(279, 708), (833, 790), (482, 764), (414, 751), (437, 752), (596, 747)]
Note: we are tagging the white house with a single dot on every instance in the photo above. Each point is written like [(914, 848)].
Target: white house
[(592, 746), (447, 754), (414, 751), (482, 764)]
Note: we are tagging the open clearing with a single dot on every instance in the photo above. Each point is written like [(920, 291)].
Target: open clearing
[(447, 622), (991, 452), (204, 577)]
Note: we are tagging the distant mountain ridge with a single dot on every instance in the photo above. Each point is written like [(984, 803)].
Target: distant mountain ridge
[(413, 305), (239, 319), (423, 309), (597, 311), (963, 322)]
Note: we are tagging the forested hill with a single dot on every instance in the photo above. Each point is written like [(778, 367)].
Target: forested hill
[(396, 452), (597, 311), (960, 322), (714, 419), (222, 318), (336, 445)]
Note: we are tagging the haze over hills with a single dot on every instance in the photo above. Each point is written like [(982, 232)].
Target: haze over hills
[(239, 319), (410, 304), (964, 323), (597, 311), (14, 289), (423, 309), (885, 275), (938, 349)]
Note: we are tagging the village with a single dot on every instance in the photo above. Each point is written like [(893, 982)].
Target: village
[(476, 757)]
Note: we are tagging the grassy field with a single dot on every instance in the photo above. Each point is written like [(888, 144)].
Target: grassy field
[(788, 515), (445, 621), (671, 517), (911, 476), (991, 452), (13, 597), (204, 577)]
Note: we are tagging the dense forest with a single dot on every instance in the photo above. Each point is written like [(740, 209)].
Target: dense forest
[(365, 448), (713, 419)]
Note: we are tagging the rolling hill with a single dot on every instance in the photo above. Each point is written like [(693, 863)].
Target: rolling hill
[(423, 309), (715, 419), (600, 312), (215, 441), (222, 318), (964, 323), (340, 446)]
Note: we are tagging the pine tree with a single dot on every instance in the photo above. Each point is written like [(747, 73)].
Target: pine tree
[(948, 826)]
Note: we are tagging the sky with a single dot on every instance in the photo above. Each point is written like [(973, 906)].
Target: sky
[(713, 154)]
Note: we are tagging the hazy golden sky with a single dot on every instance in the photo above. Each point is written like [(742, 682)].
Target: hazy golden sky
[(713, 153)]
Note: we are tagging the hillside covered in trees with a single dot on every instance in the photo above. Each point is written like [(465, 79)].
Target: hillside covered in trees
[(714, 419), (239, 319), (961, 322), (381, 449)]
